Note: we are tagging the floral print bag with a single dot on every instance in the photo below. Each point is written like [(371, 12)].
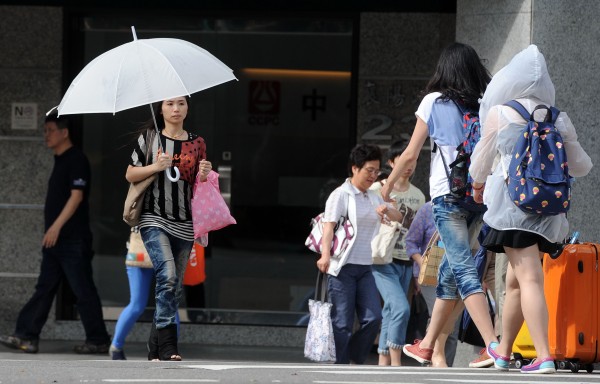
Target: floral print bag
[(319, 344)]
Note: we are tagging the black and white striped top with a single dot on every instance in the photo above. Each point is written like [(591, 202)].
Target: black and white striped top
[(167, 204)]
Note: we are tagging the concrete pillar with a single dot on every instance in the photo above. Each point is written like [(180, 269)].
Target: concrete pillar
[(398, 53), (496, 29), (568, 35), (30, 72)]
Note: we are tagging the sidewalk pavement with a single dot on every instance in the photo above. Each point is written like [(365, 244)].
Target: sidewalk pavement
[(63, 350)]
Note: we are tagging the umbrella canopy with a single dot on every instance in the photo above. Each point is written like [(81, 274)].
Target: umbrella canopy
[(142, 72)]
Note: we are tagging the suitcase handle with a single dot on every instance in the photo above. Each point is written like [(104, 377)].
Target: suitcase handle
[(559, 248)]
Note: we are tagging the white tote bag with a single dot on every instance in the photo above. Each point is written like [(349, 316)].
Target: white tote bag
[(382, 245), (319, 344)]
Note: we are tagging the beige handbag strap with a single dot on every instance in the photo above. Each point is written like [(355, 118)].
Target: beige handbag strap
[(150, 135), (432, 241)]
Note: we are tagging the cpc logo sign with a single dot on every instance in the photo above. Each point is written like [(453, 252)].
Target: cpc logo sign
[(264, 100)]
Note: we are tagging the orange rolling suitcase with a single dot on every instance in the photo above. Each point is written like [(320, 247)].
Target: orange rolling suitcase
[(573, 293)]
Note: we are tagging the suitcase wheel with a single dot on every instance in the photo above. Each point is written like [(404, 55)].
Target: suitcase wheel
[(518, 363), (574, 367)]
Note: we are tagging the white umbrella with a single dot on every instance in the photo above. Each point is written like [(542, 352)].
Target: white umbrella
[(142, 72)]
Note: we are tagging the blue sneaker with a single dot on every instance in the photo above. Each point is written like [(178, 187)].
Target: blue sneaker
[(540, 366), (500, 362)]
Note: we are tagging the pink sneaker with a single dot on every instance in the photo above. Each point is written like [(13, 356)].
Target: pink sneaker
[(422, 355), (540, 366)]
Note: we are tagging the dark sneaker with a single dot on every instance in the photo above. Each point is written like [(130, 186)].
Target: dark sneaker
[(91, 349), (27, 346), (116, 354)]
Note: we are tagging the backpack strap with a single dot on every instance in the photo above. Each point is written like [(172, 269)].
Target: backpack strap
[(551, 116), (514, 104), (435, 147), (462, 111)]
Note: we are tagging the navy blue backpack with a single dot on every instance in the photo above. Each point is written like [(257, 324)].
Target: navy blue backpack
[(459, 179), (538, 175)]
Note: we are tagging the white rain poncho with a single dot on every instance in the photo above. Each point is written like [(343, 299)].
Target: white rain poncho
[(525, 79)]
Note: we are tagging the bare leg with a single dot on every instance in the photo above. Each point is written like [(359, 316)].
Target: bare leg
[(384, 360), (527, 269), (512, 315), (438, 359), (440, 313), (396, 357), (500, 292), (479, 311)]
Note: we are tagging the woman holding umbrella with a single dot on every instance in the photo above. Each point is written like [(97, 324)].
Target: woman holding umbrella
[(166, 219)]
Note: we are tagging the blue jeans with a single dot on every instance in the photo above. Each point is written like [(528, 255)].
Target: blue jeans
[(353, 292), (393, 281), (169, 256), (70, 259), (457, 273)]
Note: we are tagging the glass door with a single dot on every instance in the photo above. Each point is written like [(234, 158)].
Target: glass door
[(279, 138)]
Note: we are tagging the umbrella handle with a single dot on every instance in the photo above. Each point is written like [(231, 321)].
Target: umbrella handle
[(173, 178)]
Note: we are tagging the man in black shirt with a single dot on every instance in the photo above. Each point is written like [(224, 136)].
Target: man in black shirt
[(66, 248)]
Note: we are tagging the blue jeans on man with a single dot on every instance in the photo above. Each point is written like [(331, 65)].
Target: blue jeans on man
[(393, 281), (70, 259), (353, 293)]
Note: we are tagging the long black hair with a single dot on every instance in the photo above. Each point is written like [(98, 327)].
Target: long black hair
[(160, 121), (459, 76)]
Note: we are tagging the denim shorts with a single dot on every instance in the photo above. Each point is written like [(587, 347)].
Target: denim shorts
[(457, 273)]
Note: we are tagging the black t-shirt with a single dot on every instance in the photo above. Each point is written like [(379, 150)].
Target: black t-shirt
[(71, 171)]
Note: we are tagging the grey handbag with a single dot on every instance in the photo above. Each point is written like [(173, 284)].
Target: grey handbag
[(134, 201)]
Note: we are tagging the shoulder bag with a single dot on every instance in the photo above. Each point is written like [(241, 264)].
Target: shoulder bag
[(137, 255), (432, 257), (342, 234), (382, 245), (134, 201)]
